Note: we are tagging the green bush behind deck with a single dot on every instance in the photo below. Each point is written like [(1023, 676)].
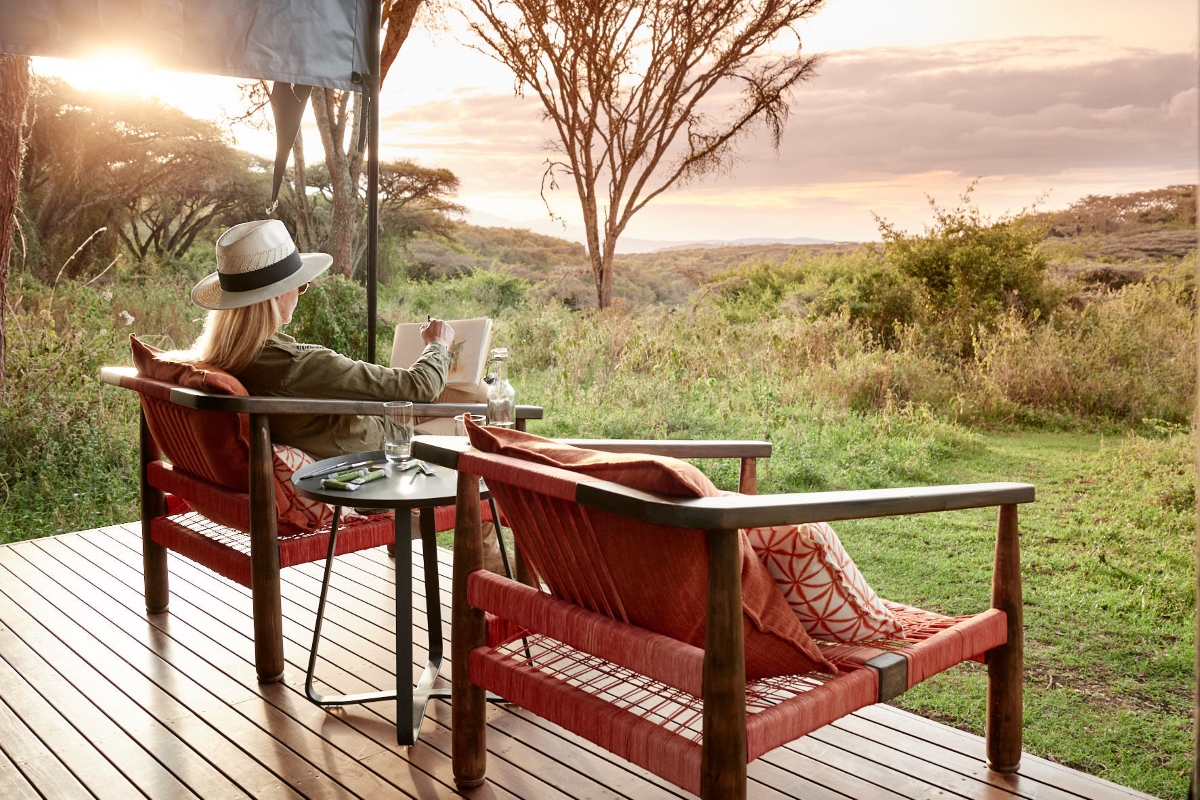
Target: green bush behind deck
[(852, 361)]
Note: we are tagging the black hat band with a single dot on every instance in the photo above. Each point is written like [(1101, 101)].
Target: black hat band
[(272, 273)]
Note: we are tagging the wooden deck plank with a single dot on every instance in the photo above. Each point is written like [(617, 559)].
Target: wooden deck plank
[(100, 755), (188, 766), (548, 769), (297, 654), (286, 714), (28, 761), (967, 767), (377, 719), (188, 676), (516, 748), (94, 635), (1039, 770), (13, 784)]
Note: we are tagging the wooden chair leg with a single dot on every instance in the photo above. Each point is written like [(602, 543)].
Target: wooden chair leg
[(748, 479), (468, 702), (154, 504), (1005, 686), (723, 761), (264, 556)]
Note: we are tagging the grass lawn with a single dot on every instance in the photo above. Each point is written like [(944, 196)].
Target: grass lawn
[(1109, 580)]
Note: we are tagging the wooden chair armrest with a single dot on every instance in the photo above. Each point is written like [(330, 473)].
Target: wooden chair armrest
[(193, 398), (751, 511)]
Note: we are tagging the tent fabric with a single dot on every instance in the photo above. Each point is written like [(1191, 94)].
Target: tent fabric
[(315, 42)]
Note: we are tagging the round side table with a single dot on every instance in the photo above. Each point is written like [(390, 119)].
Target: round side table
[(401, 491)]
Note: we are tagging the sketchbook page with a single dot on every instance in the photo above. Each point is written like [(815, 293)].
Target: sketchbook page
[(468, 354)]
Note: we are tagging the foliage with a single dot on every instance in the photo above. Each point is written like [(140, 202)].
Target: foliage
[(627, 86), (972, 270), (520, 247), (1173, 206), (1131, 357), (485, 293), (65, 440), (155, 178), (333, 313)]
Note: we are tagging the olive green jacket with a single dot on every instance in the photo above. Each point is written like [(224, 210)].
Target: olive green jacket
[(286, 368)]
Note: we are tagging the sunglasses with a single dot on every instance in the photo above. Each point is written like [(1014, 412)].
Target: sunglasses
[(304, 287)]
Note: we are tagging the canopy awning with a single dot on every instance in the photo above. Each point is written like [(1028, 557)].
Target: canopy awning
[(314, 42)]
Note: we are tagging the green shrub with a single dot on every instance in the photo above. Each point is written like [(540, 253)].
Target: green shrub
[(484, 293), (1130, 357), (879, 300), (972, 270), (68, 444), (333, 313)]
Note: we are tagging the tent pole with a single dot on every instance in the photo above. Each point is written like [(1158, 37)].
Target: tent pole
[(372, 89)]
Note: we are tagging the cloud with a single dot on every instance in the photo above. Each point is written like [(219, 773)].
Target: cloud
[(1034, 112), (986, 110)]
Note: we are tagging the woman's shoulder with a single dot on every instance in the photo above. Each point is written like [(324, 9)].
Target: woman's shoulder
[(285, 343)]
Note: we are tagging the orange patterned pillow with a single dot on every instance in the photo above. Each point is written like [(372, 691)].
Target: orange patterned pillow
[(822, 584), (297, 514)]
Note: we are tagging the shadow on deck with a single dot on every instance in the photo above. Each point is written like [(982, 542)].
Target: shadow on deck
[(96, 701)]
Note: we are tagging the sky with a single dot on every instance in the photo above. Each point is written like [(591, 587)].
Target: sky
[(1039, 101)]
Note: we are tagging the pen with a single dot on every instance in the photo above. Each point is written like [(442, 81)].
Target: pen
[(340, 468)]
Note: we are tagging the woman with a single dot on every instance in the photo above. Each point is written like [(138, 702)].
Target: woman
[(260, 276)]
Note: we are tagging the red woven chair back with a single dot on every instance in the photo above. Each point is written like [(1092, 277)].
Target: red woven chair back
[(629, 571), (213, 446), (567, 555)]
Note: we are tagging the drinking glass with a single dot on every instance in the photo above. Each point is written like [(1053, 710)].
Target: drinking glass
[(397, 431), (460, 426)]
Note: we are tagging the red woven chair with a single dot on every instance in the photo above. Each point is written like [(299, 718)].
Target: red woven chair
[(568, 652), (210, 491)]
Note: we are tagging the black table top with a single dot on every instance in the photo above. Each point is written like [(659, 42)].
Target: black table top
[(400, 489)]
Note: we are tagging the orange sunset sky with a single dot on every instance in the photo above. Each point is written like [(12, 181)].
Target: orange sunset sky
[(1035, 98)]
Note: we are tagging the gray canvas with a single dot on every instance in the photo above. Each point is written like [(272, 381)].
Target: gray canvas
[(314, 42)]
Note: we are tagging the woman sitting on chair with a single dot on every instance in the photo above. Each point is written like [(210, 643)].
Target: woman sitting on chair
[(260, 276)]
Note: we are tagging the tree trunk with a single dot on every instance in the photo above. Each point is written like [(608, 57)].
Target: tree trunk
[(344, 157), (604, 285), (14, 97), (306, 234)]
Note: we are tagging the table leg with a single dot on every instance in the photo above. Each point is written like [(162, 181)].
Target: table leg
[(333, 699)]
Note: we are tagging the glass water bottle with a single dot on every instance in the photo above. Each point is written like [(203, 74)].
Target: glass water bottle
[(501, 398)]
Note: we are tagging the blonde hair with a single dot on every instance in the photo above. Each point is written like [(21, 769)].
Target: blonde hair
[(233, 337)]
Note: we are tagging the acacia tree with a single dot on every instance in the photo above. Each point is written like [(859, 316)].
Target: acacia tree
[(630, 87), (339, 116), (14, 96)]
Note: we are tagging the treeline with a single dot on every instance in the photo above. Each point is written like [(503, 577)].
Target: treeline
[(107, 177)]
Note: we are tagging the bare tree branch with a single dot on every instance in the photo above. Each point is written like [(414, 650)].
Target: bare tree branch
[(632, 88)]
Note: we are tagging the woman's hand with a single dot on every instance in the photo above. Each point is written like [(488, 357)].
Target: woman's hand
[(437, 330)]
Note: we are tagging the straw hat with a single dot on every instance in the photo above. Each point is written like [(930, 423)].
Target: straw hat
[(256, 261)]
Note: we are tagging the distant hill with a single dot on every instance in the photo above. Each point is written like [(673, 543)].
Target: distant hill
[(1105, 240), (626, 244)]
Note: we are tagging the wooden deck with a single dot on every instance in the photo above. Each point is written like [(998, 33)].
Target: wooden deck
[(97, 701)]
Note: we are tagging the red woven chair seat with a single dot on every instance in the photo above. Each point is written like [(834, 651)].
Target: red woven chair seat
[(637, 694), (226, 551)]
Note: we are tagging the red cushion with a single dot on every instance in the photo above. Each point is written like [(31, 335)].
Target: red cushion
[(661, 577), (211, 445), (657, 474), (197, 375), (214, 446)]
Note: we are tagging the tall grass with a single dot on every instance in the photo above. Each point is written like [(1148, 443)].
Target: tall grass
[(760, 368)]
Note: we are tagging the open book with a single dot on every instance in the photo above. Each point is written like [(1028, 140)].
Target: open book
[(468, 354)]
